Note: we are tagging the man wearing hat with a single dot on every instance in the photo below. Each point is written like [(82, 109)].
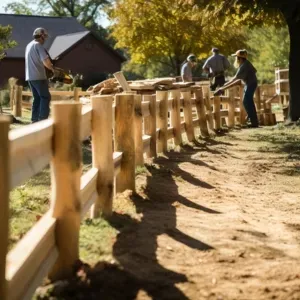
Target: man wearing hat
[(36, 59), (186, 70), (215, 66), (247, 73)]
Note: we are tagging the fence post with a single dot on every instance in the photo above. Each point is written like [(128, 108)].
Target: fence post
[(125, 142), (162, 121), (258, 105), (206, 96), (217, 112), (150, 124), (188, 115), (4, 200), (17, 110), (199, 101), (242, 109), (65, 180), (231, 109), (102, 154), (175, 116), (138, 131), (12, 96), (77, 90)]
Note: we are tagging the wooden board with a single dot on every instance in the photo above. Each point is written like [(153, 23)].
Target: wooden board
[(31, 150), (122, 81), (25, 260)]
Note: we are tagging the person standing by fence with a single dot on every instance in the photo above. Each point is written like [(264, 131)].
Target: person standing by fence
[(186, 70), (36, 59), (247, 73), (215, 66)]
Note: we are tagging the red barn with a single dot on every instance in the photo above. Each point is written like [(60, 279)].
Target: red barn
[(72, 45)]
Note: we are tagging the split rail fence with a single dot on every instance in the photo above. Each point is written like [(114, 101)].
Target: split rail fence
[(17, 95), (265, 95), (125, 129)]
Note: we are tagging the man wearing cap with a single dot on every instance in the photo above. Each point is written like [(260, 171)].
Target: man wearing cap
[(215, 66), (36, 59), (247, 73), (186, 70)]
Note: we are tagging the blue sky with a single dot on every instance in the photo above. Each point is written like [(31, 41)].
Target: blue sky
[(104, 22)]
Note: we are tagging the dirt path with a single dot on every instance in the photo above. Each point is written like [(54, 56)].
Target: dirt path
[(220, 220)]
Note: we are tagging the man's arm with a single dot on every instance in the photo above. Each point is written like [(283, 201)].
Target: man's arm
[(184, 74), (226, 63), (44, 56), (233, 82), (206, 66), (47, 63)]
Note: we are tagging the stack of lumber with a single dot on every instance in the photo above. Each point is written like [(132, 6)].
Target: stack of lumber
[(158, 84), (112, 86), (108, 86)]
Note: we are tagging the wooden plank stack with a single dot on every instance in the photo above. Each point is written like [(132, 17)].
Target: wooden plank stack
[(119, 83)]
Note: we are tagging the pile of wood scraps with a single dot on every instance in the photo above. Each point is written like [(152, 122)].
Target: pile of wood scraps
[(161, 84), (120, 84), (108, 86)]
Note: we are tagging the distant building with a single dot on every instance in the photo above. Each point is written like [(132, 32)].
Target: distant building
[(72, 46)]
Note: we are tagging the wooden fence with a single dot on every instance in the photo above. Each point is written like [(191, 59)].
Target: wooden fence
[(17, 95), (265, 95), (124, 128)]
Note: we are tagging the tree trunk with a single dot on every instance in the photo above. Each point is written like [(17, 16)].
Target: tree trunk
[(178, 66), (294, 68)]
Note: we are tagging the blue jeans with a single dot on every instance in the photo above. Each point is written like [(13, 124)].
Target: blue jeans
[(248, 103), (41, 100)]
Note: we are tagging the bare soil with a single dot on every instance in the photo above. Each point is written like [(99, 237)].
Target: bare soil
[(219, 219)]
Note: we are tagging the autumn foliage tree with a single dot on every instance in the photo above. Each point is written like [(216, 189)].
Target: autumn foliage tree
[(252, 12), (167, 31)]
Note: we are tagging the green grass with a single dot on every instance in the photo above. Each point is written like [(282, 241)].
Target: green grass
[(96, 240), (28, 203)]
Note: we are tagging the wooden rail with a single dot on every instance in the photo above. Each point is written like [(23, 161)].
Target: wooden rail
[(17, 94), (123, 134)]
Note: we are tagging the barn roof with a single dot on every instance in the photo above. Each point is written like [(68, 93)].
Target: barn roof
[(64, 32), (64, 42)]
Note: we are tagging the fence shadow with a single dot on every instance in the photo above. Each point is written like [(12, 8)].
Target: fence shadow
[(137, 245)]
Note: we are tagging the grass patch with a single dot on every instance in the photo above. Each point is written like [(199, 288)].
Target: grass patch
[(31, 200), (140, 170), (97, 236), (96, 240), (27, 204), (279, 139)]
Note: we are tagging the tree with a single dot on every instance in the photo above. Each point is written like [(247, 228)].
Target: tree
[(5, 41), (259, 11), (269, 48), (165, 32), (86, 11)]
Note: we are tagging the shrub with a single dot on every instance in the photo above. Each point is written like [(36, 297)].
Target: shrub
[(4, 97)]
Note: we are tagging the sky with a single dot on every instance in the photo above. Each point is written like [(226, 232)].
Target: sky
[(3, 4), (104, 22)]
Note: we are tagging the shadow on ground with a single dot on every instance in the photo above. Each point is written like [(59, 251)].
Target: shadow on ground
[(136, 247), (286, 142)]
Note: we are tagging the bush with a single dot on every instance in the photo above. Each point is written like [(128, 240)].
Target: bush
[(4, 97)]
